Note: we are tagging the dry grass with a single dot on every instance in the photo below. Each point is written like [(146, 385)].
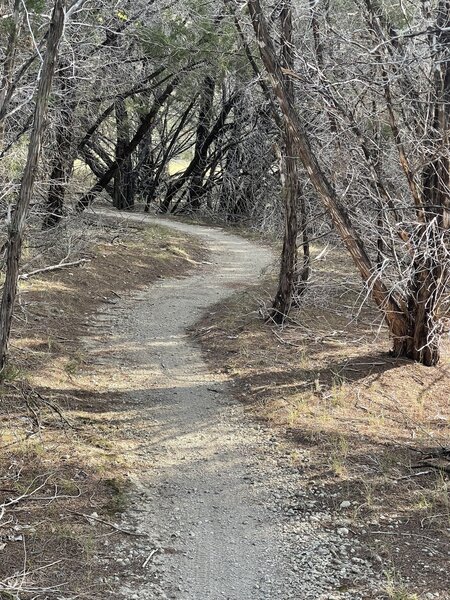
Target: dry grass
[(327, 382)]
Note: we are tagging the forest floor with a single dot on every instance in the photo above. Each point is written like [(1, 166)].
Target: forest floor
[(200, 454)]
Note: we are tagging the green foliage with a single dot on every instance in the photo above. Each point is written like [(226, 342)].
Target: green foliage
[(6, 26), (10, 373), (37, 6), (399, 16), (194, 35)]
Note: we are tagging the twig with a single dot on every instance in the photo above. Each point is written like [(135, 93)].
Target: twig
[(112, 525), (442, 468), (149, 557), (413, 475), (54, 268)]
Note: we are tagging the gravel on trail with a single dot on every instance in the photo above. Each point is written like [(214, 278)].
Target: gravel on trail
[(224, 507)]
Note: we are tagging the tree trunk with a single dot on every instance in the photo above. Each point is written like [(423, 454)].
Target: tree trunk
[(290, 181), (123, 198), (17, 227), (201, 150), (64, 155), (303, 262), (421, 342)]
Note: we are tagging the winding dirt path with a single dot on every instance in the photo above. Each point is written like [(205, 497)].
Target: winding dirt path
[(213, 480)]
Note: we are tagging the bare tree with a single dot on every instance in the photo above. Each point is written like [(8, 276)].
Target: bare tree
[(17, 226), (412, 301)]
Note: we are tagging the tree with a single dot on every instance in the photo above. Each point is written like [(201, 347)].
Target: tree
[(290, 180), (17, 226), (410, 291)]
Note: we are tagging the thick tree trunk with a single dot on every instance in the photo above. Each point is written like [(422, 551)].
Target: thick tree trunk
[(286, 282), (421, 343), (123, 198), (17, 227), (64, 155), (290, 181)]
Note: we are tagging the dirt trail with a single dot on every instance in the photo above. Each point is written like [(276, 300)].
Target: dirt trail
[(212, 494)]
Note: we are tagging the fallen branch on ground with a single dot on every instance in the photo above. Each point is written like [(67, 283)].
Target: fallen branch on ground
[(149, 557), (54, 268)]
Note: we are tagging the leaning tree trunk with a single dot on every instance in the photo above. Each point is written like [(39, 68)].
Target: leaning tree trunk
[(17, 227), (123, 198), (290, 181), (196, 189), (64, 152), (392, 307)]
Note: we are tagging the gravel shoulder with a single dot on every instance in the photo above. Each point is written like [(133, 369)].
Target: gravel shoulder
[(221, 500)]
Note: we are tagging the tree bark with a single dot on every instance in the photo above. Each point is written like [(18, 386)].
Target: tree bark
[(17, 227), (290, 181), (123, 198), (64, 155)]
